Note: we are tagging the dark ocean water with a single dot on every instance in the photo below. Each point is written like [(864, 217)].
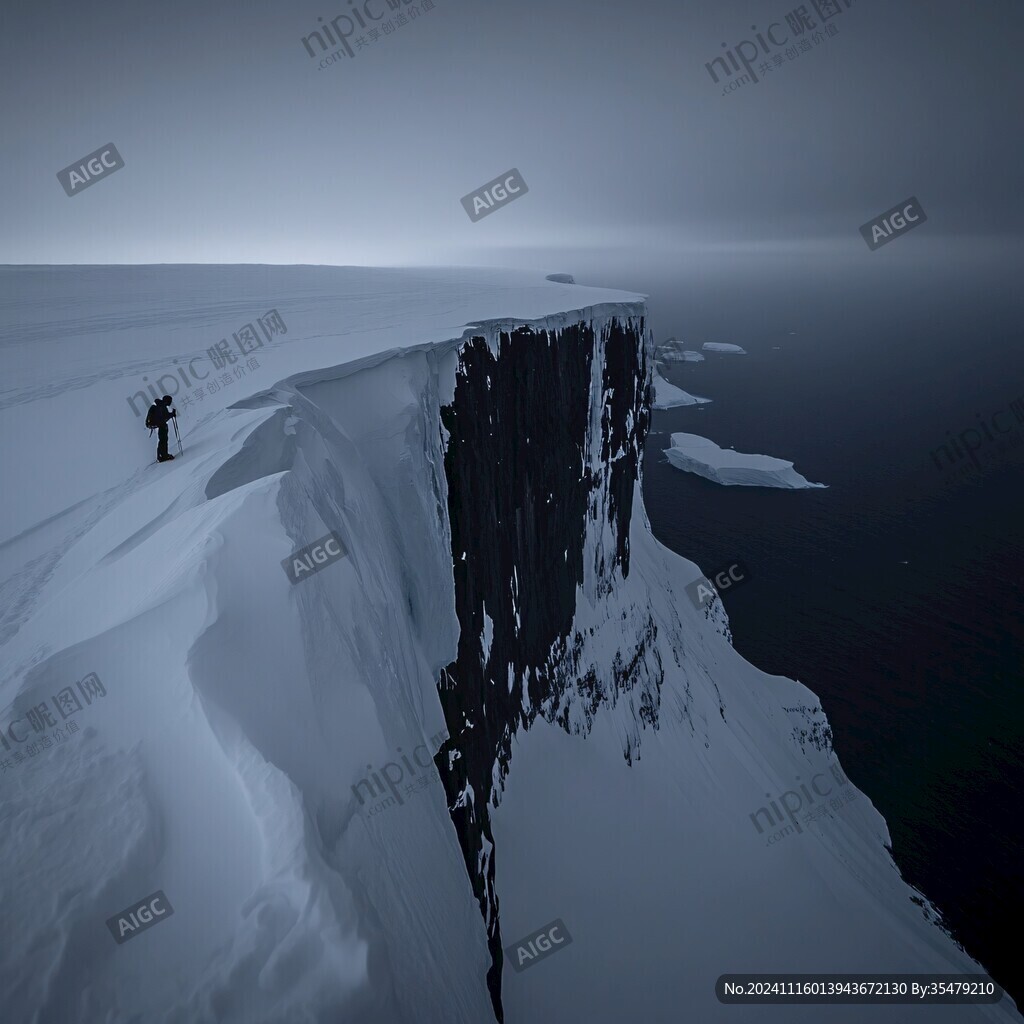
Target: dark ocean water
[(896, 594)]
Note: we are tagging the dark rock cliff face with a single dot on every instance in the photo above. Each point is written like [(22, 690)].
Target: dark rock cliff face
[(544, 439)]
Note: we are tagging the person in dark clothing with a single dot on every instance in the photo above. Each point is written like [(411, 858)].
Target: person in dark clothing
[(159, 415)]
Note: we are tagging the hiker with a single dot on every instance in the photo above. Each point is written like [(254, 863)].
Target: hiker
[(160, 413)]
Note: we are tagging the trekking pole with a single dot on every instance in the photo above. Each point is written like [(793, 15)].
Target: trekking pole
[(177, 435)]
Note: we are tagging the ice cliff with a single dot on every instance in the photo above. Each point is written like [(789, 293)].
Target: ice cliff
[(603, 756)]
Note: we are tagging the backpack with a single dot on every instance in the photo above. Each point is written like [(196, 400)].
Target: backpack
[(150, 422)]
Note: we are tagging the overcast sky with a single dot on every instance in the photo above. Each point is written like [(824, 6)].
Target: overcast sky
[(238, 147)]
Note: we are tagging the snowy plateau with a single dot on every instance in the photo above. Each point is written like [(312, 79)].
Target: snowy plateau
[(503, 625), (695, 454)]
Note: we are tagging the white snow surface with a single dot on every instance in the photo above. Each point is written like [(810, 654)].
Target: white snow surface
[(668, 396), (76, 343), (241, 711), (720, 346), (696, 454)]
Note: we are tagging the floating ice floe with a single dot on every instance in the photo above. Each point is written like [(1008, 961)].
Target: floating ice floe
[(696, 454), (671, 351), (668, 396), (718, 346)]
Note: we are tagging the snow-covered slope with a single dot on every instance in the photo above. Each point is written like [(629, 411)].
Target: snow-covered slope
[(695, 454), (257, 750)]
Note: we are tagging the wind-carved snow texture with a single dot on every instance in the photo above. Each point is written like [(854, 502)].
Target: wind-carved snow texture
[(540, 494)]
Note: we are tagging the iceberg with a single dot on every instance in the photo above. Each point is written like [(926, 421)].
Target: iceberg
[(672, 351), (696, 454), (359, 789), (718, 346), (668, 396)]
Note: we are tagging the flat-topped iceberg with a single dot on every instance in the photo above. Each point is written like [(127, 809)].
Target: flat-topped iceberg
[(671, 351), (668, 396), (697, 454), (720, 346)]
